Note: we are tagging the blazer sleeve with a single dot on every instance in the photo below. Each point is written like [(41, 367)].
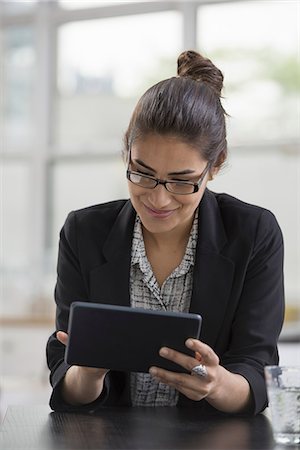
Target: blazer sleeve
[(260, 312), (70, 286)]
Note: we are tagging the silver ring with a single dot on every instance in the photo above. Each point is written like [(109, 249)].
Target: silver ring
[(200, 371)]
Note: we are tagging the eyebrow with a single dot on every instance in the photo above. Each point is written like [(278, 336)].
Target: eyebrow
[(181, 172)]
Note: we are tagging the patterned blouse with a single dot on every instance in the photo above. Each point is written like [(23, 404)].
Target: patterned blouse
[(174, 295)]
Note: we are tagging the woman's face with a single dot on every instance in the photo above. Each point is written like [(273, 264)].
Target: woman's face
[(166, 158)]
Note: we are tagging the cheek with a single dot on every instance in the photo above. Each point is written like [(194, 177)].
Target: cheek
[(135, 194), (191, 202), (132, 190)]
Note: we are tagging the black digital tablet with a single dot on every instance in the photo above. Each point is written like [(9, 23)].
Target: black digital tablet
[(127, 339)]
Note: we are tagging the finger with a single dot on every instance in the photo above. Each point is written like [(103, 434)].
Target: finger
[(180, 380), (62, 337), (167, 377), (192, 394), (183, 360), (193, 387), (203, 352)]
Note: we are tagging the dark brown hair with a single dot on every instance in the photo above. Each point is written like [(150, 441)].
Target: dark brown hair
[(187, 106)]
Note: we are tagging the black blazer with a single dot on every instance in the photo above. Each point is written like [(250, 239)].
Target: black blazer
[(237, 287)]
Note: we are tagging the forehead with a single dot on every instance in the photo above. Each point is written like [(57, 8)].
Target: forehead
[(158, 150)]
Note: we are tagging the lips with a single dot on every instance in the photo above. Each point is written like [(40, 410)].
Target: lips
[(159, 213)]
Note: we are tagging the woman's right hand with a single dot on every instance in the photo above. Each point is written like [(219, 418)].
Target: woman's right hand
[(81, 385)]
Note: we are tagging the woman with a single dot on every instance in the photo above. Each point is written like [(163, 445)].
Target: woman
[(177, 246)]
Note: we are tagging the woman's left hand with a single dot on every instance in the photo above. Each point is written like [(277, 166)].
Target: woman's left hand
[(193, 386)]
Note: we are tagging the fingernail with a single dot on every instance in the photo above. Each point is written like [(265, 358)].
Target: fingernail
[(153, 371), (189, 343), (163, 351)]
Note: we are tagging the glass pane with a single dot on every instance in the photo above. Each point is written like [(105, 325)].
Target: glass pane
[(256, 44), (77, 184), (103, 66), (17, 7), (78, 4), (18, 92), (15, 283), (15, 215)]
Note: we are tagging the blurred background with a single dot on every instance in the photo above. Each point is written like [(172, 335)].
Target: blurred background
[(71, 73)]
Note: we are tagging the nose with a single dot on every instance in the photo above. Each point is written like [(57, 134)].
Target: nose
[(159, 197)]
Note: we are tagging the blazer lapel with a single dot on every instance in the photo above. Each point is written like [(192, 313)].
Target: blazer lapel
[(213, 272), (110, 282)]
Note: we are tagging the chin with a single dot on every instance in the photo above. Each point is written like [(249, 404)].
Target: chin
[(157, 225)]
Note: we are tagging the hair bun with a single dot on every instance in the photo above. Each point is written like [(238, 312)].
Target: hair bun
[(193, 65)]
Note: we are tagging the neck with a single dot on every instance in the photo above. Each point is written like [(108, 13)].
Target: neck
[(172, 238)]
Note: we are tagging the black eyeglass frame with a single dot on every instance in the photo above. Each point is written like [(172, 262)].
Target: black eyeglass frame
[(165, 183)]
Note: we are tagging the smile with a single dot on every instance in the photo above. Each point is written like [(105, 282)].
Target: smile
[(159, 213)]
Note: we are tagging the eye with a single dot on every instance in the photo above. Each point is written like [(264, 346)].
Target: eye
[(142, 172), (179, 180)]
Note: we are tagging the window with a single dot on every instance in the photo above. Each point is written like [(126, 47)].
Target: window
[(103, 66), (257, 47), (72, 73), (94, 181)]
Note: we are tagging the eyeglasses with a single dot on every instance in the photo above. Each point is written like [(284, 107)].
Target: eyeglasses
[(175, 187)]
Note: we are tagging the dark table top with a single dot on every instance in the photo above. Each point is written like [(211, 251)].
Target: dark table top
[(36, 427)]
